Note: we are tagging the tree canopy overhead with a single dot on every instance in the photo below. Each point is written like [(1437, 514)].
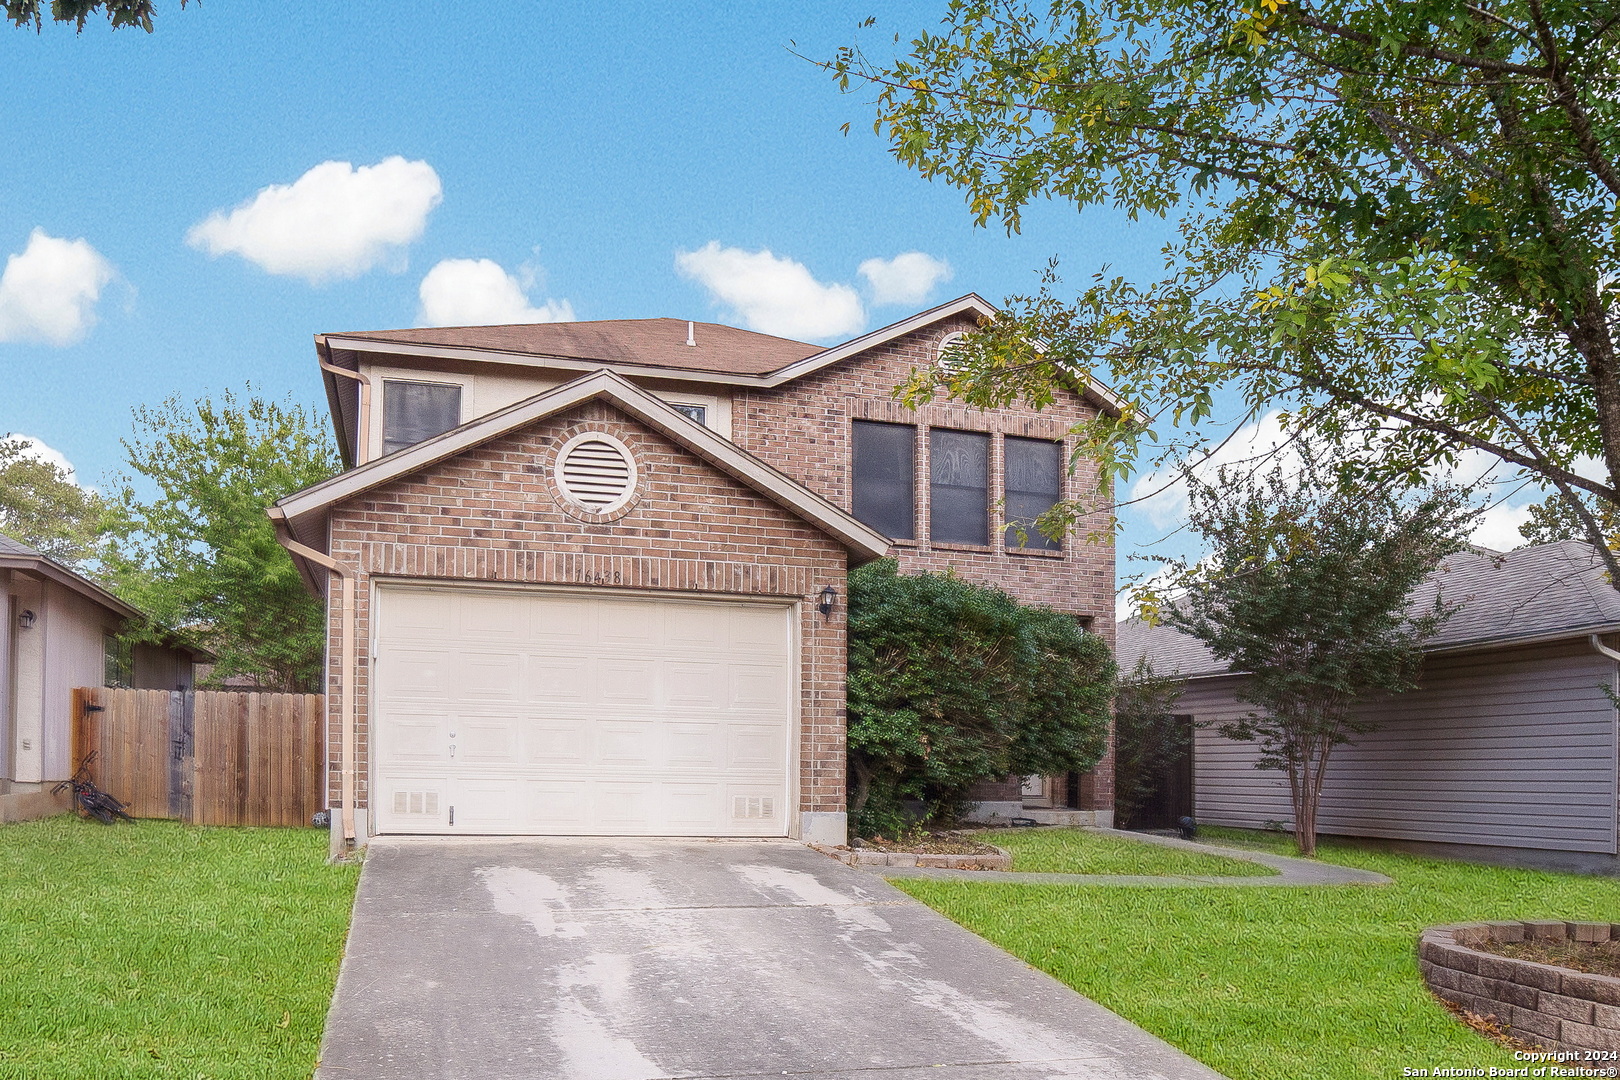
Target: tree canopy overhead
[(119, 12), (1396, 220)]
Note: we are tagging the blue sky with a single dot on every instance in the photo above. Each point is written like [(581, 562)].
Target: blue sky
[(581, 150)]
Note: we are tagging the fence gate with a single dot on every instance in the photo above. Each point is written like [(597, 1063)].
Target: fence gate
[(204, 756)]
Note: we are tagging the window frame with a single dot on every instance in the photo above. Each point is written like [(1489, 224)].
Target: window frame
[(1009, 531), (981, 538), (438, 384), (909, 473)]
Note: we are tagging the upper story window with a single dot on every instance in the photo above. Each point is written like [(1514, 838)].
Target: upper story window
[(885, 477), (959, 492), (1034, 485), (700, 413), (413, 411)]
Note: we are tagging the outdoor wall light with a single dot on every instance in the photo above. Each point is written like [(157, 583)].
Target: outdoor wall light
[(829, 597), (25, 620)]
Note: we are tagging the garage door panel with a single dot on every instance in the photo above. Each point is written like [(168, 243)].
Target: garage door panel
[(416, 737), (555, 806), (581, 714), (695, 685), (629, 624), (488, 676), (758, 686), (557, 742), (562, 621), (414, 672), (493, 617), (754, 747), (633, 682), (628, 743), (697, 746), (490, 740)]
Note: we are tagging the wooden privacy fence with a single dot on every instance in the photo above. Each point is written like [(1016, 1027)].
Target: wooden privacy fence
[(203, 756)]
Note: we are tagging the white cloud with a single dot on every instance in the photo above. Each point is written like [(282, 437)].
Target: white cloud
[(904, 279), (335, 221), (49, 292), (771, 294), (1498, 527), (477, 292), (34, 448)]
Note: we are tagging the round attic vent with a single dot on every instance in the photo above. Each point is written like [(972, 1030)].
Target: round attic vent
[(945, 353), (596, 472)]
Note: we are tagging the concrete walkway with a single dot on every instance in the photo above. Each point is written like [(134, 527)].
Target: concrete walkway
[(1290, 870), (596, 959)]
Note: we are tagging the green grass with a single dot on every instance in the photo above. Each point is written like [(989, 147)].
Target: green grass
[(1274, 983), (1074, 851), (156, 949)]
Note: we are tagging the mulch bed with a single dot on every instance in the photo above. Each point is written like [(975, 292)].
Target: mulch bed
[(1490, 1027), (1600, 958)]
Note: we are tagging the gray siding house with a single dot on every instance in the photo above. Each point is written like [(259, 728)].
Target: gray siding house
[(1510, 742)]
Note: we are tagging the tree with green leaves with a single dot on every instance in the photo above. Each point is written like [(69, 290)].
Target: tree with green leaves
[(42, 506), (119, 13), (1397, 221), (1552, 520), (1308, 590), (1148, 738), (200, 555), (951, 683)]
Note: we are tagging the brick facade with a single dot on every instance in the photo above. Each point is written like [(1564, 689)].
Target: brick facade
[(804, 429), (491, 514)]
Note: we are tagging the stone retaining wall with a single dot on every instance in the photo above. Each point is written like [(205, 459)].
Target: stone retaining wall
[(1554, 1007), (867, 857)]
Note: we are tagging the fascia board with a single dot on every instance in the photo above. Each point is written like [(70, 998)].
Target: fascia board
[(799, 368), (541, 360), (68, 579), (310, 503)]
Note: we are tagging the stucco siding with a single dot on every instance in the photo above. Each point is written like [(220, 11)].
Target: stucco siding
[(1512, 747)]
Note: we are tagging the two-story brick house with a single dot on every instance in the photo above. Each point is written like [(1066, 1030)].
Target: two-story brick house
[(591, 576)]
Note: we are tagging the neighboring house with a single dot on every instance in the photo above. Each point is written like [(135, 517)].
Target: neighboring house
[(60, 632), (1510, 741), (595, 572)]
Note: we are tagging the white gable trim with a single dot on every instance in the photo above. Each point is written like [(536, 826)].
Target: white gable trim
[(305, 512)]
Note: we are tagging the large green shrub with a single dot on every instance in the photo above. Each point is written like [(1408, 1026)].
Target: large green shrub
[(951, 683)]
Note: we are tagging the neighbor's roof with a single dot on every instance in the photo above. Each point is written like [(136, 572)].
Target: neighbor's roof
[(16, 555), (303, 514), (1539, 593)]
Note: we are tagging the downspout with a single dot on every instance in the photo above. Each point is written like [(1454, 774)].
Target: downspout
[(362, 449), (346, 714), (1603, 650)]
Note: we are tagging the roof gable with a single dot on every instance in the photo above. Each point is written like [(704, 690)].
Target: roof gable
[(304, 513)]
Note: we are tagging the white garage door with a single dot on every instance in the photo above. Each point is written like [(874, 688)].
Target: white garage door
[(513, 712)]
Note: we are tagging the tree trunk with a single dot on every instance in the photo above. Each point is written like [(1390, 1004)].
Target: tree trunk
[(862, 787)]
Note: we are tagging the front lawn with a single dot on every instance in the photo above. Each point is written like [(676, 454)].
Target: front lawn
[(1075, 851), (1274, 983), (156, 949)]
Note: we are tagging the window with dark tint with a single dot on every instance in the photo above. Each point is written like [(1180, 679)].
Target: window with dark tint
[(959, 464), (119, 661), (885, 477), (413, 411), (1034, 483), (700, 413)]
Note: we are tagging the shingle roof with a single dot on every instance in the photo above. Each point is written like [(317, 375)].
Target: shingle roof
[(8, 546), (649, 342), (1534, 593)]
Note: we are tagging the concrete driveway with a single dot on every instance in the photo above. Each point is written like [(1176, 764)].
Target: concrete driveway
[(596, 959)]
